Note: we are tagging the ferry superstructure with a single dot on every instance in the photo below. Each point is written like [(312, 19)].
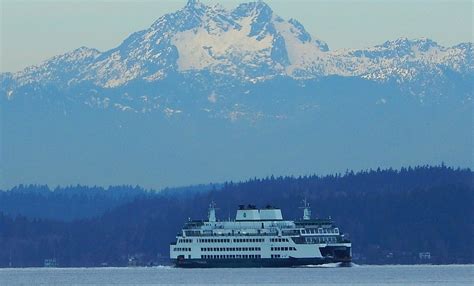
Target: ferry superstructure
[(259, 238)]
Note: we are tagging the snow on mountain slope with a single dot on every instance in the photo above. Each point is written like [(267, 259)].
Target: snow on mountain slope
[(250, 44)]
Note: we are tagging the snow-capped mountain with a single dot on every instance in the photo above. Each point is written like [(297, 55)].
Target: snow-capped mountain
[(250, 43), (207, 94)]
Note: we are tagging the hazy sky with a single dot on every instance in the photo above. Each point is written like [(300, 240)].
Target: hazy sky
[(33, 31)]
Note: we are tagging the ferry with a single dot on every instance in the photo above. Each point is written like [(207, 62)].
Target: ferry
[(259, 238)]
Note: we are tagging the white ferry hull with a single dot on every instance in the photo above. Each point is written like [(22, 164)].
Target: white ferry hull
[(256, 263), (259, 238)]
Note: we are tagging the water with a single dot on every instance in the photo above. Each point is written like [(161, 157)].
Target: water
[(326, 275)]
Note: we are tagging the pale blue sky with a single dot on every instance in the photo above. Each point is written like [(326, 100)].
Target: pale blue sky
[(33, 31)]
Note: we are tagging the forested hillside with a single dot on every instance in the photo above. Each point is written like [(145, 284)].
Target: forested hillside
[(390, 215), (67, 203), (78, 202)]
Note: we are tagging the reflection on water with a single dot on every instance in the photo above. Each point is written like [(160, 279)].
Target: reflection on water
[(318, 275)]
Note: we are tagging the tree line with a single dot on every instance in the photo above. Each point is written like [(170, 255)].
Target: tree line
[(390, 215)]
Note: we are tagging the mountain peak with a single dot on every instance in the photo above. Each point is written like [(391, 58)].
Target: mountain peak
[(249, 43), (422, 43), (195, 4), (253, 8)]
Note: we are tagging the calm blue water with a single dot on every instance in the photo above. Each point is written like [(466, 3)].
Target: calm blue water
[(358, 275)]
